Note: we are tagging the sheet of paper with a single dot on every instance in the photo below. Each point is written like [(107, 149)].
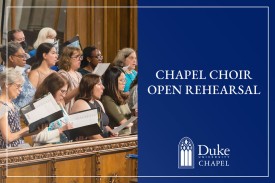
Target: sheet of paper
[(101, 68), (132, 119), (47, 100), (84, 118), (135, 106), (40, 112)]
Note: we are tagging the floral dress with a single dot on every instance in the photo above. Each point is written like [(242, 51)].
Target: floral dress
[(14, 124)]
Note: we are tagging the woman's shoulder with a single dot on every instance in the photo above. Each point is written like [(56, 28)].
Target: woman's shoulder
[(34, 72), (79, 74), (3, 109), (80, 105), (106, 98), (64, 73), (101, 105)]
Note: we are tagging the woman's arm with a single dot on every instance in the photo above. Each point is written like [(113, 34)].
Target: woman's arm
[(112, 110), (6, 131), (48, 136)]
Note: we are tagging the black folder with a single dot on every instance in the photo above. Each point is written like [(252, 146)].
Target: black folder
[(84, 131), (48, 119)]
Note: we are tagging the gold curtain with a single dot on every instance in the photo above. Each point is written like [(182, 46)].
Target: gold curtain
[(110, 25)]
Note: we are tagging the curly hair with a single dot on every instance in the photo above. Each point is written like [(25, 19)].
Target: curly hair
[(11, 49), (121, 56), (65, 59)]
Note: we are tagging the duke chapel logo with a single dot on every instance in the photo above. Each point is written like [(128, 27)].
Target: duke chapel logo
[(206, 156), (186, 153)]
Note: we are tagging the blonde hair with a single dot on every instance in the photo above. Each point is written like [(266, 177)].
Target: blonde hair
[(43, 35)]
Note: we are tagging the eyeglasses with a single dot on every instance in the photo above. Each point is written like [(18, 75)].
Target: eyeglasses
[(80, 57), (18, 86), (122, 80), (21, 56), (99, 57), (64, 92)]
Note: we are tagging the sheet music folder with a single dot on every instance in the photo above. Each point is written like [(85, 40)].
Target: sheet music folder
[(85, 123), (43, 110), (84, 131)]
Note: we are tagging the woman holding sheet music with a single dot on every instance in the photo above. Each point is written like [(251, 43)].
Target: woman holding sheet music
[(58, 86), (90, 91), (11, 134), (114, 100)]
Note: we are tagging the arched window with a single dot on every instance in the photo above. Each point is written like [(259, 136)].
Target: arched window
[(186, 153)]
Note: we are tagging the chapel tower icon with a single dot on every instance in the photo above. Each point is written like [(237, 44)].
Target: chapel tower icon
[(186, 154)]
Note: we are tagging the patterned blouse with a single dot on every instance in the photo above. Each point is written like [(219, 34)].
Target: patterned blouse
[(27, 93), (74, 84), (58, 124), (14, 124)]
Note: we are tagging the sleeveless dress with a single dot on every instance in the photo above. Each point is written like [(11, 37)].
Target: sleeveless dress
[(103, 118), (14, 124)]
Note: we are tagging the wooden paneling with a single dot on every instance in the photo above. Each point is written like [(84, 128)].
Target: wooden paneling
[(72, 162), (77, 169), (33, 170), (109, 166)]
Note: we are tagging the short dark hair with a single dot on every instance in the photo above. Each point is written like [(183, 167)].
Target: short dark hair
[(11, 34), (87, 53), (52, 84)]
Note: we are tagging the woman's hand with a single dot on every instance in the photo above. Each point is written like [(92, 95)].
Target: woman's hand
[(110, 132), (42, 127), (68, 126)]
